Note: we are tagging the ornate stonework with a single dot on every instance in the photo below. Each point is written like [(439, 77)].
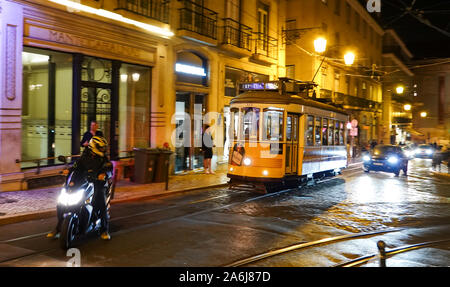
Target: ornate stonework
[(10, 62)]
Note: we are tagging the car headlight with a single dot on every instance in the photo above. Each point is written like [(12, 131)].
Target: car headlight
[(366, 158), (247, 161), (393, 159), (428, 151), (72, 198)]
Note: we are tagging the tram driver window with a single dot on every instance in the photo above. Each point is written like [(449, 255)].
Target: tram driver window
[(318, 130), (310, 131), (250, 123), (325, 132), (273, 125), (234, 123)]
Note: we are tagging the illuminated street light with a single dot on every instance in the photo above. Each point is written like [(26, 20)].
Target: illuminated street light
[(423, 114), (320, 45), (407, 107), (399, 90), (349, 58)]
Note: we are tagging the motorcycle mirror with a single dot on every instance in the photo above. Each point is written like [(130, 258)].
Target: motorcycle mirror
[(62, 159)]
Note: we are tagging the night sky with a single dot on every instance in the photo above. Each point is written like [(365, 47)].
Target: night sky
[(421, 39)]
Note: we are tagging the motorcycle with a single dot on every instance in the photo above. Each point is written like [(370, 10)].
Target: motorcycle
[(75, 206)]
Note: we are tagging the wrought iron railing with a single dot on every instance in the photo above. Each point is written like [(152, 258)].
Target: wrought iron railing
[(237, 34), (154, 9), (266, 45), (198, 19)]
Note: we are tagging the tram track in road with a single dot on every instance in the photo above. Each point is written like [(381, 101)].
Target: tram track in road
[(365, 259), (142, 226), (305, 245)]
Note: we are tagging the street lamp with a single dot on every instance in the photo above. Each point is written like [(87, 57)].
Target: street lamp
[(399, 90), (407, 107), (320, 45), (349, 58), (423, 114)]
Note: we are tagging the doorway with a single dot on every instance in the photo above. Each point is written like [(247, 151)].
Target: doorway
[(189, 111), (291, 143)]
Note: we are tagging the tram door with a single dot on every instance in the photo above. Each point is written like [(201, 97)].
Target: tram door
[(291, 143)]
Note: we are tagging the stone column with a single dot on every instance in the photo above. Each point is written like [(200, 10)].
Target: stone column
[(11, 31)]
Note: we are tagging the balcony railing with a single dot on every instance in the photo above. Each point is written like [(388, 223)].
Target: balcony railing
[(356, 102), (266, 45), (198, 19), (154, 9), (237, 34)]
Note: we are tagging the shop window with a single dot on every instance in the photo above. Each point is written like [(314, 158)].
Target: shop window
[(134, 107), (46, 106)]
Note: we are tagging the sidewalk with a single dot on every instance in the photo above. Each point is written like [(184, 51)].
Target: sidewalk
[(17, 206)]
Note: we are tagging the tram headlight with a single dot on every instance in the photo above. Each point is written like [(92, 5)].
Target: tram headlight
[(247, 161), (265, 172)]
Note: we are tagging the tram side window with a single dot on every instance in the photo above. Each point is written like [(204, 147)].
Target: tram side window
[(318, 130), (310, 131), (273, 125), (234, 123), (330, 132), (336, 133), (325, 132), (341, 133), (250, 123)]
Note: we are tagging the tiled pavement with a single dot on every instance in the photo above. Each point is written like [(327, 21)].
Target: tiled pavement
[(37, 203)]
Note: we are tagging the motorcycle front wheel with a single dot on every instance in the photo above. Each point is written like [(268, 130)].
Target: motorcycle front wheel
[(68, 232)]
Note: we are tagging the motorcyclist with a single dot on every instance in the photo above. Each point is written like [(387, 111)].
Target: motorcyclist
[(96, 163)]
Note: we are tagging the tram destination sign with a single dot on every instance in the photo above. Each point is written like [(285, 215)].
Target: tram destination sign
[(260, 86)]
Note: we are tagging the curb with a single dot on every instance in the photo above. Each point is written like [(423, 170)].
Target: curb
[(34, 215)]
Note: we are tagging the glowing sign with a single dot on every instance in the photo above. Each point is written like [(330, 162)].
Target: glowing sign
[(192, 70), (260, 86)]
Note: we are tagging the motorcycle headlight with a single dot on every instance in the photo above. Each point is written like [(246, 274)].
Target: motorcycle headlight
[(72, 198), (393, 159), (366, 158)]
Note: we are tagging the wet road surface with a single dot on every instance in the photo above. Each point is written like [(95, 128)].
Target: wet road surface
[(219, 226)]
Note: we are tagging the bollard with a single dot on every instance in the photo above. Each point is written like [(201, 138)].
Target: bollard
[(382, 248)]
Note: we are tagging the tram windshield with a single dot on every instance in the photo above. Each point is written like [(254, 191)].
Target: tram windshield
[(273, 125), (250, 123)]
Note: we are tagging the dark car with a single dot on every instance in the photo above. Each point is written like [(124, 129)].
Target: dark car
[(388, 158), (424, 151)]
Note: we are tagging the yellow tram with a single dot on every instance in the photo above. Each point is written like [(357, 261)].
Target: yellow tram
[(282, 138)]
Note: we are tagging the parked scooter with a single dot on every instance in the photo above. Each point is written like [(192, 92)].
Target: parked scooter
[(75, 206)]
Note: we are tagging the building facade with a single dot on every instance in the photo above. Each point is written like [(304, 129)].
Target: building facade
[(347, 27), (149, 72), (399, 91)]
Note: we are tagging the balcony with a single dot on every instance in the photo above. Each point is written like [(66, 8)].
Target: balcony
[(266, 49), (198, 23), (356, 103), (153, 9), (237, 38)]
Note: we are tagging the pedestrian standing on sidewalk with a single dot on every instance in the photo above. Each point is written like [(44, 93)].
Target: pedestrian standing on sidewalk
[(207, 145)]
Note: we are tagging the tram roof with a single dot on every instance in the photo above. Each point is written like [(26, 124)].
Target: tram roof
[(274, 97)]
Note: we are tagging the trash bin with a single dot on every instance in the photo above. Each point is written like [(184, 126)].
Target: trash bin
[(145, 164), (162, 166)]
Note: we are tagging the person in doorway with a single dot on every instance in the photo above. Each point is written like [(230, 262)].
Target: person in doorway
[(93, 131), (207, 145)]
